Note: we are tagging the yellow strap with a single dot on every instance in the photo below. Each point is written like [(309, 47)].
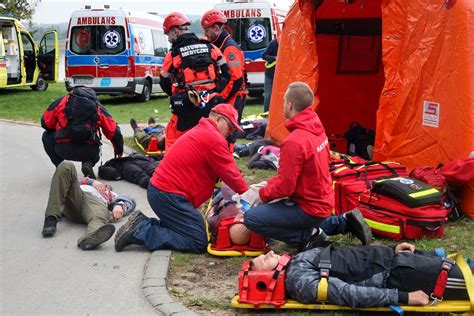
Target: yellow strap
[(467, 274), (270, 65), (424, 193), (322, 291), (383, 227)]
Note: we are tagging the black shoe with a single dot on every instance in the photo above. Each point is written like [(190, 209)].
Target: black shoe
[(358, 226), (124, 236), (49, 227), (319, 239), (101, 235), (151, 121), (133, 124), (88, 169)]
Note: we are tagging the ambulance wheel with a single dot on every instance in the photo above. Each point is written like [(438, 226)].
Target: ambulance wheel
[(146, 92), (41, 85)]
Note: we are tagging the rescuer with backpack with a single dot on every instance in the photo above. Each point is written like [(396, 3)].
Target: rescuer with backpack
[(72, 131), (213, 22), (194, 74)]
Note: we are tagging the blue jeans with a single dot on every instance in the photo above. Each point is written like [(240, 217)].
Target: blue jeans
[(179, 227), (267, 91), (286, 221)]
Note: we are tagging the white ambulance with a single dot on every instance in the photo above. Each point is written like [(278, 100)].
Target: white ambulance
[(253, 24), (115, 51)]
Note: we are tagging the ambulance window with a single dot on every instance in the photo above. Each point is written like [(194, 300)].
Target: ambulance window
[(97, 40), (251, 34), (160, 43), (47, 44), (27, 44), (143, 40)]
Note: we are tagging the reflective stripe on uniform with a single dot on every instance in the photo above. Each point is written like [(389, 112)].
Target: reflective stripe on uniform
[(165, 74)]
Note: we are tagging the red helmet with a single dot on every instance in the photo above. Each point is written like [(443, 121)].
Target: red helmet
[(174, 19), (211, 17)]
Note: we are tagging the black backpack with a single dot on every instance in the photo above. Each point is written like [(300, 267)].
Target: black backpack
[(82, 116)]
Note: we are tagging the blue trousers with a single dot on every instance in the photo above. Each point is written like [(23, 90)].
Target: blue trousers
[(179, 227), (286, 221), (267, 90)]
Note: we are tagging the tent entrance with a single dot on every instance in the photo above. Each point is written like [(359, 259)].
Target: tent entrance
[(351, 74)]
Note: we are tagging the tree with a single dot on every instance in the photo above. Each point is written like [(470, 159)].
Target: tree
[(19, 9)]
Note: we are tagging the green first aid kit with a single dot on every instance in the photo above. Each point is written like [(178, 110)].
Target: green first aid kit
[(411, 192)]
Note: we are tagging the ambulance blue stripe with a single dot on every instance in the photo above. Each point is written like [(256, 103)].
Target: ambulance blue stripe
[(255, 54), (76, 60)]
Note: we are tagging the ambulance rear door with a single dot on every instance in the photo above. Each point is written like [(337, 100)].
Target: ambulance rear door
[(48, 57)]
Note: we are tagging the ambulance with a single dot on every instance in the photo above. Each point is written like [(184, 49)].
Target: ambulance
[(115, 51), (253, 24), (24, 63)]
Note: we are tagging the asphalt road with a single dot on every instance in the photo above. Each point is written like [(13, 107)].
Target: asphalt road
[(53, 276)]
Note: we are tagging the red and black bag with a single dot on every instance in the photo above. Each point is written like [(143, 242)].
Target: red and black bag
[(395, 219)]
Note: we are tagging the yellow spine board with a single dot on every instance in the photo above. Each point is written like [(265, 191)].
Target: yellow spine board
[(454, 306)]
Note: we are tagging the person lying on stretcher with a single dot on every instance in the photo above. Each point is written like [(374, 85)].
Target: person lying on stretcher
[(224, 207), (368, 276)]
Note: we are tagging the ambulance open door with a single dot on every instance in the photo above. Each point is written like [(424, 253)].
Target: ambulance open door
[(48, 58), (3, 63)]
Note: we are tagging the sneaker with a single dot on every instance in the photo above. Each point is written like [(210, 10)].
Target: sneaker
[(358, 226), (318, 239), (151, 121), (88, 169), (133, 124), (124, 236), (49, 227), (101, 235)]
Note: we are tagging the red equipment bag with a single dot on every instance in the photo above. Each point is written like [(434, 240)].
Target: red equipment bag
[(263, 287), (347, 195), (431, 176), (390, 218), (223, 243)]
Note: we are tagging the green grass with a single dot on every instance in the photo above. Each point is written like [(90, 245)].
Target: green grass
[(206, 303), (24, 104)]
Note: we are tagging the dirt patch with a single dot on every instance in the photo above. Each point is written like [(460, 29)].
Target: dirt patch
[(205, 284)]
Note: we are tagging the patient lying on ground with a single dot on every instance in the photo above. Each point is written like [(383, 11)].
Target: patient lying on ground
[(368, 276)]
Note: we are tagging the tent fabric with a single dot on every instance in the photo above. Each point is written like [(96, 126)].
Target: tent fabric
[(425, 110)]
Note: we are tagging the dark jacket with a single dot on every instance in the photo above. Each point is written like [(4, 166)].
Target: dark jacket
[(54, 119), (270, 55), (365, 276), (135, 168)]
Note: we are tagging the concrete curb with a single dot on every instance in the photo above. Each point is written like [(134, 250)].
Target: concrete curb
[(154, 286)]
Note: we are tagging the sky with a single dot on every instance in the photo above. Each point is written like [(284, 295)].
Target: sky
[(58, 11)]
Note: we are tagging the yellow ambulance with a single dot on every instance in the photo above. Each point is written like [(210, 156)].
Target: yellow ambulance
[(22, 61)]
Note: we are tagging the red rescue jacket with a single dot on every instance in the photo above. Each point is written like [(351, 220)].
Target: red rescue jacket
[(303, 175), (195, 162)]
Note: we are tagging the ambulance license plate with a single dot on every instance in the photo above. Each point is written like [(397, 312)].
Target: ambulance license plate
[(83, 81)]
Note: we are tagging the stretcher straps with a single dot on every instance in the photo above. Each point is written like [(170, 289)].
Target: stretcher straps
[(440, 285), (324, 269), (245, 280), (282, 263), (467, 274)]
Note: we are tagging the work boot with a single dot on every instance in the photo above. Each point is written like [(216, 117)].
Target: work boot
[(358, 226), (133, 124), (151, 121), (97, 237), (88, 169), (318, 239), (49, 227), (124, 236)]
